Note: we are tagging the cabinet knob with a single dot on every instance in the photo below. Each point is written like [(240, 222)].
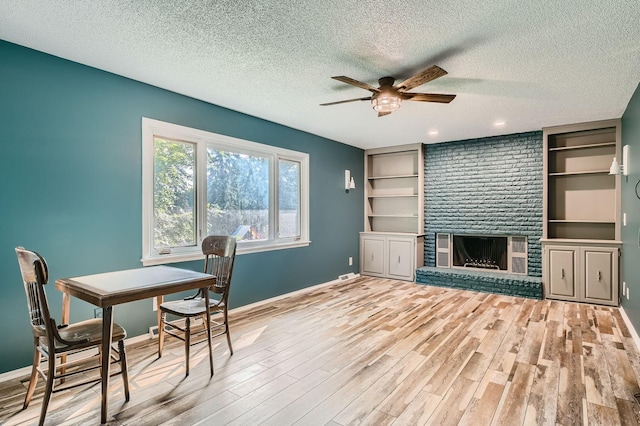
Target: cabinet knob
[(599, 276), (562, 273)]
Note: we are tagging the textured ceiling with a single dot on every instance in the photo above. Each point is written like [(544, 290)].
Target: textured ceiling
[(529, 64)]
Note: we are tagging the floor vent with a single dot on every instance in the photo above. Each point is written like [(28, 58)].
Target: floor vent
[(153, 332), (346, 277)]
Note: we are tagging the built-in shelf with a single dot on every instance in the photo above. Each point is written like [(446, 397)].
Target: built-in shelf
[(581, 221), (585, 172), (394, 215), (392, 244), (592, 145), (582, 241), (394, 189), (393, 196), (392, 177), (581, 229)]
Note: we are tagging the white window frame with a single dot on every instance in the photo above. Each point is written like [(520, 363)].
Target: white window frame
[(203, 140)]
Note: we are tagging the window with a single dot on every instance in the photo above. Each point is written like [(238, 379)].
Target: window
[(197, 183)]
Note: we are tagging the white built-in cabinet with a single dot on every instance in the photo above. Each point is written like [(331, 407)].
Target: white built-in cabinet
[(393, 245), (390, 255), (372, 252), (582, 273), (581, 212)]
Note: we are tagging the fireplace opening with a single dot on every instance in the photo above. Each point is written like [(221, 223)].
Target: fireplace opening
[(471, 251)]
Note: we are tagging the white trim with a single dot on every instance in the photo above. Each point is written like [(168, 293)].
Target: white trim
[(14, 374), (202, 140), (187, 257), (632, 329), (25, 371), (293, 293)]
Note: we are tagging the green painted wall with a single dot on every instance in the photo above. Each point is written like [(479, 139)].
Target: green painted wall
[(630, 261), (70, 163)]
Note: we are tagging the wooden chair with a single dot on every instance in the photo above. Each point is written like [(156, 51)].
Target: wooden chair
[(54, 343), (220, 253)]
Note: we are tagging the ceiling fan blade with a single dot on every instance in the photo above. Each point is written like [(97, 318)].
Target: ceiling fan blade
[(421, 78), (428, 97), (382, 114), (356, 83), (348, 100)]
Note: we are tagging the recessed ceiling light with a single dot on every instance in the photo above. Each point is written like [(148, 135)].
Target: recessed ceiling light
[(433, 132), (499, 123)]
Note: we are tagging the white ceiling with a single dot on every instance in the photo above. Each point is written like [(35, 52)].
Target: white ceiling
[(530, 64)]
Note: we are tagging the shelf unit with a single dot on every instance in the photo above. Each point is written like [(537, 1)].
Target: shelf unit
[(582, 199), (581, 208), (392, 241), (394, 189)]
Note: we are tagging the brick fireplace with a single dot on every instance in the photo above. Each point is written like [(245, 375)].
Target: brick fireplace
[(485, 187)]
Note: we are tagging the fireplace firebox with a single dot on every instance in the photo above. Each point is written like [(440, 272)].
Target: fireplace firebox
[(498, 253), (470, 251)]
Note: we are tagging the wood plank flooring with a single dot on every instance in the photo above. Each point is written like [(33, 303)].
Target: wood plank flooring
[(378, 352)]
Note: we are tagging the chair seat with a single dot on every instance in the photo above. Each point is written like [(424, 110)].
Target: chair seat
[(190, 307), (90, 329)]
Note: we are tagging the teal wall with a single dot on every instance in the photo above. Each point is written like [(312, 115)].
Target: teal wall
[(70, 163), (630, 261)]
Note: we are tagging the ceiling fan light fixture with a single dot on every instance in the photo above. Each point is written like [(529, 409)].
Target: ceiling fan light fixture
[(387, 98), (386, 102)]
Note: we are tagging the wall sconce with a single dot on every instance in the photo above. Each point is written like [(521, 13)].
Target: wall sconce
[(623, 169), (349, 183)]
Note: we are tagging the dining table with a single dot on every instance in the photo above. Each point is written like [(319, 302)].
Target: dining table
[(105, 290)]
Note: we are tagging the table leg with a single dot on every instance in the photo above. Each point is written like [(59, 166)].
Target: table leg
[(107, 331), (205, 291), (159, 300), (66, 307), (66, 312)]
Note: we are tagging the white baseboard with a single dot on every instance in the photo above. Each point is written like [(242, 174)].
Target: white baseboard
[(632, 330), (25, 371), (14, 374), (293, 293)]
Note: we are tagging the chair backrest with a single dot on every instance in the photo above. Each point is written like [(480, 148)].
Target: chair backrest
[(35, 275), (220, 254)]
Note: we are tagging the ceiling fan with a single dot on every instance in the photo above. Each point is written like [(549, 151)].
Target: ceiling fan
[(387, 98)]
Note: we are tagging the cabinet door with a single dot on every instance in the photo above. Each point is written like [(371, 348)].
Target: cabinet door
[(561, 279), (600, 274), (372, 250), (400, 258)]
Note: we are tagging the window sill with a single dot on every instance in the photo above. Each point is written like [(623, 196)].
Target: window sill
[(197, 254)]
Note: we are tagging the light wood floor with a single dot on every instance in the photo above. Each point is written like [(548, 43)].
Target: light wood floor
[(379, 352)]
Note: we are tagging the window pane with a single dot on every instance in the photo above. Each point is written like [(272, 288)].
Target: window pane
[(289, 198), (237, 195), (173, 194)]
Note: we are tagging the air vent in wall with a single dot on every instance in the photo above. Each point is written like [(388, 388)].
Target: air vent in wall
[(519, 265), (519, 244), (443, 241), (518, 255), (443, 255)]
